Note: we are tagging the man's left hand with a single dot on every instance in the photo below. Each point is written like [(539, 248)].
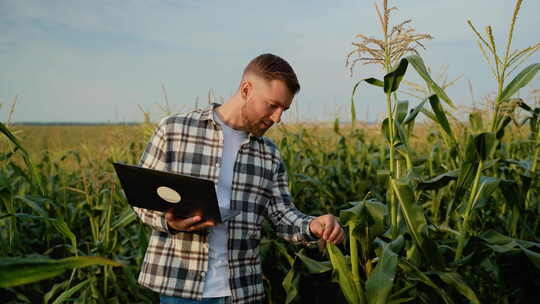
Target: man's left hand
[(326, 227)]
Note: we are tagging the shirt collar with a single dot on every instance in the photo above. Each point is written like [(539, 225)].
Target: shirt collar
[(207, 114)]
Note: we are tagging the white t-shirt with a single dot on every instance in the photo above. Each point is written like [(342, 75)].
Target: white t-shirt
[(217, 278)]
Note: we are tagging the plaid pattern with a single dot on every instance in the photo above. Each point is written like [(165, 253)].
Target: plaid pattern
[(175, 264)]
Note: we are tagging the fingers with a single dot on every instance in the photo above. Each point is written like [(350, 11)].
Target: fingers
[(316, 228), (330, 230), (200, 226), (329, 227), (334, 234), (187, 224), (169, 216), (333, 237)]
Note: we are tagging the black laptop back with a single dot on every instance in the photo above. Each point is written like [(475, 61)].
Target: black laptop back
[(160, 190)]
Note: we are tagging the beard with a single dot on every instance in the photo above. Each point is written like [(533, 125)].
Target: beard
[(252, 125)]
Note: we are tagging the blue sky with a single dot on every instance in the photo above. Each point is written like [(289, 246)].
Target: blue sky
[(98, 61)]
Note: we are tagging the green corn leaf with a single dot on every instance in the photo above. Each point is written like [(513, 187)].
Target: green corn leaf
[(283, 251), (534, 257), (412, 213), (20, 271), (422, 277), (455, 280), (313, 266), (401, 300), (526, 180), (488, 185), (511, 193), (401, 135), (485, 144), (26, 216), (418, 64), (429, 114), (401, 110), (26, 157), (496, 238), (441, 116), (438, 181), (63, 228), (525, 164), (66, 295), (57, 287), (380, 283), (502, 125), (367, 218), (291, 283), (414, 112), (344, 275), (383, 176), (525, 106), (34, 202), (416, 222), (501, 247), (467, 173), (351, 215), (399, 295), (398, 244), (372, 218), (394, 77), (131, 279), (431, 252), (12, 138), (470, 150), (501, 243), (385, 129), (372, 81), (127, 217), (521, 80)]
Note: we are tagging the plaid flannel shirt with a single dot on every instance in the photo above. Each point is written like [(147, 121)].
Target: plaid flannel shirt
[(176, 263)]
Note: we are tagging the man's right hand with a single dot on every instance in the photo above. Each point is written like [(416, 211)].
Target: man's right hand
[(186, 224)]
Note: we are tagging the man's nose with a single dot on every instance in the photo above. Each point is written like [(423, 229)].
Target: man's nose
[(276, 116)]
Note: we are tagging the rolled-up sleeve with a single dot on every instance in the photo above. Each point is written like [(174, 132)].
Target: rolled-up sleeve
[(289, 223)]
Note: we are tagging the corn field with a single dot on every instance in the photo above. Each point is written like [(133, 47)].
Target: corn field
[(452, 217)]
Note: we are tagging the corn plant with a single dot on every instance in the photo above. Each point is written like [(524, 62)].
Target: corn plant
[(412, 248), (55, 224)]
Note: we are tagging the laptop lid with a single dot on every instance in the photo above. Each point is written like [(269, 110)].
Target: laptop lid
[(161, 190)]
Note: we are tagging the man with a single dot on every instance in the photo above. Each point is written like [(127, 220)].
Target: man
[(189, 261)]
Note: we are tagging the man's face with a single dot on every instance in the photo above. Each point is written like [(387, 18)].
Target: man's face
[(264, 103)]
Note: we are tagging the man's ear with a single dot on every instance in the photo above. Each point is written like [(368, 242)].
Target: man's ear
[(245, 88)]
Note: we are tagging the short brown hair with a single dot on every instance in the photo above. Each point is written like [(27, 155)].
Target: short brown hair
[(272, 67)]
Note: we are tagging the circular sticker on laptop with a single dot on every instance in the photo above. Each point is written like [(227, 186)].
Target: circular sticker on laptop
[(169, 194)]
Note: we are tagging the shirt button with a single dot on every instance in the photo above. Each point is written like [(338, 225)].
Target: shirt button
[(203, 274), (218, 165)]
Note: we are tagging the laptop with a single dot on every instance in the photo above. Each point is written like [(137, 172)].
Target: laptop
[(161, 190)]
